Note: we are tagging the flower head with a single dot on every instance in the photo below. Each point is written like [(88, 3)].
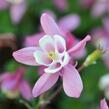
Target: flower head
[(17, 8), (13, 84), (53, 54)]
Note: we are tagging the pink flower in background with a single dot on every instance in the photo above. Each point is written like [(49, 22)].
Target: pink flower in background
[(53, 54), (100, 8), (17, 8), (13, 84), (86, 3), (62, 5), (101, 38), (103, 104)]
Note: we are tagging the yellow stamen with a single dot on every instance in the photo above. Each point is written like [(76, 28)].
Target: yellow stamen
[(52, 55)]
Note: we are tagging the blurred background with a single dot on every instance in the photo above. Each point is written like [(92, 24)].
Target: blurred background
[(20, 22)]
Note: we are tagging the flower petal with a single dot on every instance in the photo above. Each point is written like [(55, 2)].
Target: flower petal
[(72, 82), (33, 40), (103, 104), (4, 76), (65, 59), (3, 4), (69, 23), (79, 46), (47, 43), (61, 4), (25, 56), (25, 90), (54, 68), (41, 58), (60, 44), (99, 9), (17, 12), (48, 24), (45, 82)]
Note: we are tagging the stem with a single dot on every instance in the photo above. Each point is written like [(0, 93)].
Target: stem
[(26, 104)]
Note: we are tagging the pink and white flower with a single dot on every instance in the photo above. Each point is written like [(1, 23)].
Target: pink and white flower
[(103, 104), (54, 55), (13, 84), (17, 9)]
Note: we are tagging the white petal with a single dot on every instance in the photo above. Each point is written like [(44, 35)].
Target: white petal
[(47, 43), (41, 58), (53, 68)]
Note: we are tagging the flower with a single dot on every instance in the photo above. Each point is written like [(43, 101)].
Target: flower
[(101, 38), (66, 24), (53, 54), (61, 4), (100, 7), (104, 85), (17, 8), (13, 84), (103, 104), (86, 3)]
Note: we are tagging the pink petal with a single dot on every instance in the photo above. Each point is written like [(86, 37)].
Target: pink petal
[(48, 24), (4, 76), (103, 104), (9, 83), (25, 56), (72, 82), (61, 4), (106, 24), (79, 46), (69, 23), (41, 70), (45, 82), (25, 90), (17, 12), (3, 4), (33, 40), (99, 9)]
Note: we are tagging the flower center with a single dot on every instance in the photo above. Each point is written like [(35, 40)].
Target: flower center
[(52, 55), (14, 2)]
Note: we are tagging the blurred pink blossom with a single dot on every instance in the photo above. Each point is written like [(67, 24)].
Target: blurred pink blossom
[(54, 55), (103, 104), (101, 38), (62, 5), (13, 84), (86, 3), (100, 8), (17, 9)]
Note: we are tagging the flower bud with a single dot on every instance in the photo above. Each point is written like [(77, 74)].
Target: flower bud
[(91, 59)]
